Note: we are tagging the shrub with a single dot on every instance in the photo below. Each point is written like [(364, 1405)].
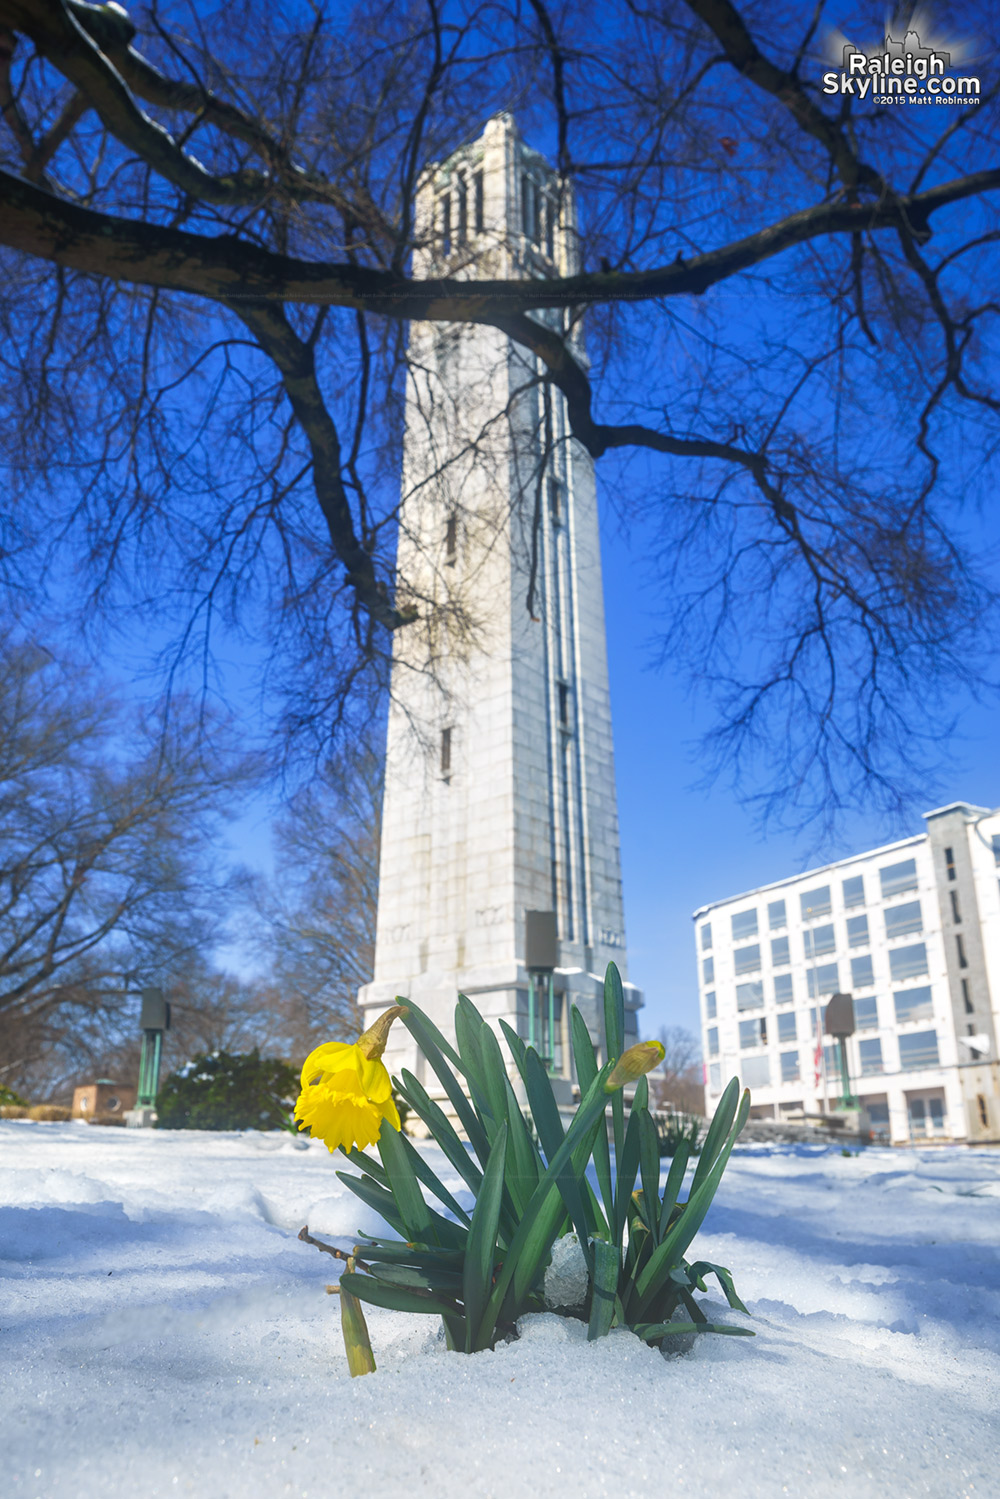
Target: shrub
[(674, 1130), (13, 1111), (49, 1113), (482, 1271), (223, 1091), (10, 1099)]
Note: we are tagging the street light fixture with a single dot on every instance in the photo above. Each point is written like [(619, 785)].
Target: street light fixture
[(154, 1019)]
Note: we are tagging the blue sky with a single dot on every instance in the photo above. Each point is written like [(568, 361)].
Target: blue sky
[(683, 846)]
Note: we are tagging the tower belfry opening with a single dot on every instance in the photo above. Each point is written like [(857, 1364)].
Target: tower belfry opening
[(500, 791)]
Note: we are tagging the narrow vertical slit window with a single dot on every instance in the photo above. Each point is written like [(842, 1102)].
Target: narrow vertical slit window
[(550, 227), (949, 862), (450, 540), (477, 191), (526, 205), (463, 211), (446, 223), (446, 752), (563, 691), (956, 914), (963, 961), (555, 501), (966, 1000)]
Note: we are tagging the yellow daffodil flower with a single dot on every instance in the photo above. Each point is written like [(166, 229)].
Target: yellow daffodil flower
[(346, 1092)]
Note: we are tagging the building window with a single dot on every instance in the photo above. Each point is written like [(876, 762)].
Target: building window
[(753, 1033), (783, 989), (907, 962), (776, 915), (446, 223), (857, 931), (966, 998), (926, 1116), (706, 936), (756, 1072), (963, 961), (779, 951), (708, 970), (920, 1049), (898, 877), (819, 941), (815, 902), (530, 209), (956, 914), (996, 848), (715, 1077), (550, 227), (477, 193), (450, 540), (900, 920), (984, 1117), (787, 1028), (710, 1005), (866, 1013), (854, 892), (913, 1004), (750, 996), (713, 1041), (463, 211), (862, 976), (446, 752), (870, 1056), (555, 501), (744, 925), (790, 1067), (823, 980), (563, 690), (878, 1113), (747, 959), (949, 862)]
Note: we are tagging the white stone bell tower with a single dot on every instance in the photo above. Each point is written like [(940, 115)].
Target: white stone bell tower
[(500, 787)]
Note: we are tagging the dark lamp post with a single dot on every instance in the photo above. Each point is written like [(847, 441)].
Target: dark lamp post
[(838, 1021), (154, 1019), (541, 955)]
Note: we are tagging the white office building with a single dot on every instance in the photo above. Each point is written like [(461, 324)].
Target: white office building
[(912, 931)]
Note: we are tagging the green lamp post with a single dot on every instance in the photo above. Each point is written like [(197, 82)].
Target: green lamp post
[(838, 1022), (541, 955), (154, 1019)]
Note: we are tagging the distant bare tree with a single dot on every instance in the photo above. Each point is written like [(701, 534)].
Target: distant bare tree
[(317, 939), (678, 1082), (211, 236), (108, 878)]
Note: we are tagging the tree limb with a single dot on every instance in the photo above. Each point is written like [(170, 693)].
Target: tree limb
[(228, 268)]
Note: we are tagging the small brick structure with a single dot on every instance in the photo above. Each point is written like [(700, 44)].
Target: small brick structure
[(103, 1100)]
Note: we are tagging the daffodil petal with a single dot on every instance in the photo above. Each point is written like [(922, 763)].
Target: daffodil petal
[(345, 1096)]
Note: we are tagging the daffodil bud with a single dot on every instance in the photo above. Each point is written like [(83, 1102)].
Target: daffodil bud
[(632, 1064), (371, 1043)]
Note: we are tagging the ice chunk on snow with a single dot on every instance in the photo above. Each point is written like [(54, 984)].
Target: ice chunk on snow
[(566, 1279)]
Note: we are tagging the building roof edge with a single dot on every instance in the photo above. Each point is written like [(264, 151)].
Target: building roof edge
[(882, 848)]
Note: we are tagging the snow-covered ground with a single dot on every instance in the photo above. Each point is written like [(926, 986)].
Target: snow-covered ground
[(163, 1332)]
